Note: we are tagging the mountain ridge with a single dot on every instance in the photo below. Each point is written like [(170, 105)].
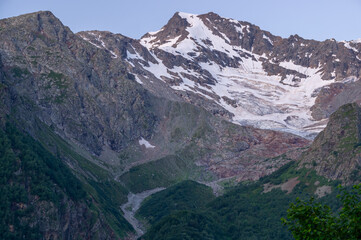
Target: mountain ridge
[(198, 64)]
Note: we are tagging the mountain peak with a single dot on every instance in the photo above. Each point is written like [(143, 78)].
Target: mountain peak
[(41, 21), (43, 25), (31, 17), (175, 28)]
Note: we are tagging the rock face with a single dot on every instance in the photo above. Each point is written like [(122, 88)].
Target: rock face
[(70, 85), (236, 70), (336, 151)]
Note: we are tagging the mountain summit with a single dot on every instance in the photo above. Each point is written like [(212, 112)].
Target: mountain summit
[(246, 74)]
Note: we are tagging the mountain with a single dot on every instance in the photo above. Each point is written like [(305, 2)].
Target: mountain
[(199, 100), (236, 70), (55, 81), (118, 137)]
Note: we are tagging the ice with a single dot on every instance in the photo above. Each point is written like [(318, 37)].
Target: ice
[(233, 21), (239, 29), (263, 101)]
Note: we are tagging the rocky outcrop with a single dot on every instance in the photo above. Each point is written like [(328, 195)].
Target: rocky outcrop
[(330, 98), (336, 151)]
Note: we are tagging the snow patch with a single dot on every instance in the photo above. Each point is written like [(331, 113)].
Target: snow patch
[(268, 39), (103, 46), (356, 41), (144, 142), (347, 45), (138, 80)]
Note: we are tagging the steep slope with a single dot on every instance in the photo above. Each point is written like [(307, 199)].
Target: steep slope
[(336, 151), (70, 85), (41, 198), (235, 69)]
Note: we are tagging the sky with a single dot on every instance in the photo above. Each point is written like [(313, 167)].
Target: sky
[(310, 19)]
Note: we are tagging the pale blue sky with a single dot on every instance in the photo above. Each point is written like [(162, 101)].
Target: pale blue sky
[(312, 19)]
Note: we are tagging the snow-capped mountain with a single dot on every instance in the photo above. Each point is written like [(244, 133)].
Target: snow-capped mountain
[(235, 69)]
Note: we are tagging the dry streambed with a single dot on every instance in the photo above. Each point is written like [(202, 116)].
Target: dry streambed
[(133, 204)]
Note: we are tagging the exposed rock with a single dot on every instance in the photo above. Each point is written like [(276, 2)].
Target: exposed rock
[(335, 152), (331, 97), (323, 191), (79, 90), (286, 186)]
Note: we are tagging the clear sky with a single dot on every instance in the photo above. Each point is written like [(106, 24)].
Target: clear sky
[(311, 19)]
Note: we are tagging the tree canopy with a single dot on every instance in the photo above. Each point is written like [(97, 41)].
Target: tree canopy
[(313, 220)]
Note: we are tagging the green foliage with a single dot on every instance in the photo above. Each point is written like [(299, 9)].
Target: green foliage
[(187, 195), (247, 213), (244, 212), (27, 170), (186, 225), (109, 195), (41, 165), (312, 220), (2, 86), (62, 148)]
